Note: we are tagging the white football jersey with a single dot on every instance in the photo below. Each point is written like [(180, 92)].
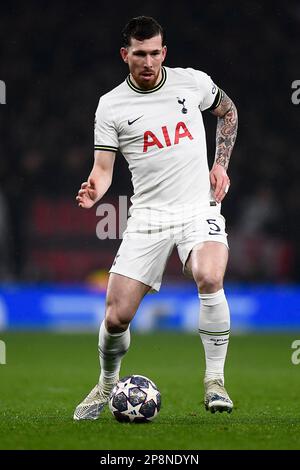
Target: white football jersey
[(161, 134)]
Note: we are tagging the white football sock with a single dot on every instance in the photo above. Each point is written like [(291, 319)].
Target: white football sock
[(214, 329), (112, 348)]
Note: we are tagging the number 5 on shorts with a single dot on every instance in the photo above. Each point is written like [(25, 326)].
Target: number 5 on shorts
[(214, 228)]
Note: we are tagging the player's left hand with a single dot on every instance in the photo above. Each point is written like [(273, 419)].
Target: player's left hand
[(219, 181)]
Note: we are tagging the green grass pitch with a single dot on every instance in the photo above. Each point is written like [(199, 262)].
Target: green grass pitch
[(46, 375)]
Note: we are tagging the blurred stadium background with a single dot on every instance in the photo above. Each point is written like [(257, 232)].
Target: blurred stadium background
[(56, 61), (57, 58)]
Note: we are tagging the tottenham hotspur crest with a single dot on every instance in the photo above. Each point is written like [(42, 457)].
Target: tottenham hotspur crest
[(184, 109)]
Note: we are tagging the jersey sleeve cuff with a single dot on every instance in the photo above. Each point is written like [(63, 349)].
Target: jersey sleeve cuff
[(107, 148), (217, 100)]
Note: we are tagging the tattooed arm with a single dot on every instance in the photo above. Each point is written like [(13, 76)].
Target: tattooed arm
[(226, 113)]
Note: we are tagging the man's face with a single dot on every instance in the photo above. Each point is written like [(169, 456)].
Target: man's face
[(144, 59)]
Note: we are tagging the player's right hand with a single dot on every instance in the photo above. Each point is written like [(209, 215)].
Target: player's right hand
[(87, 194)]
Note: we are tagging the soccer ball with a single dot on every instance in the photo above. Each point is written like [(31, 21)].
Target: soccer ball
[(135, 398)]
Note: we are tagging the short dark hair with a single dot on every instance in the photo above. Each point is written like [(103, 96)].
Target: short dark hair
[(142, 27)]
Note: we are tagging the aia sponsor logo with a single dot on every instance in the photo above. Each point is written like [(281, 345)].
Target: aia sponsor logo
[(166, 139)]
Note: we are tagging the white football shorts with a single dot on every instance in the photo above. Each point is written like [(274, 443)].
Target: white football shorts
[(146, 247)]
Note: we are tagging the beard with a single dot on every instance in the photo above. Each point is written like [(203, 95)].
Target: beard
[(147, 80)]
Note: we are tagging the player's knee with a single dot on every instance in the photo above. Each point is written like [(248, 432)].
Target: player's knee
[(209, 282), (116, 320), (114, 324)]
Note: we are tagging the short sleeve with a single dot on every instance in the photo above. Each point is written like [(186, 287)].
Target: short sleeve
[(209, 93), (106, 137)]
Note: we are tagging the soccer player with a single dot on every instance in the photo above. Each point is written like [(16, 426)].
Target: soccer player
[(154, 118)]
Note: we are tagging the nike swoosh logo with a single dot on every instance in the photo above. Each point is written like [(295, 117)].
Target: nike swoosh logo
[(131, 122)]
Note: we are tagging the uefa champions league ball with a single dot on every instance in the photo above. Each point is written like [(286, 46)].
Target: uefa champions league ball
[(135, 398)]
